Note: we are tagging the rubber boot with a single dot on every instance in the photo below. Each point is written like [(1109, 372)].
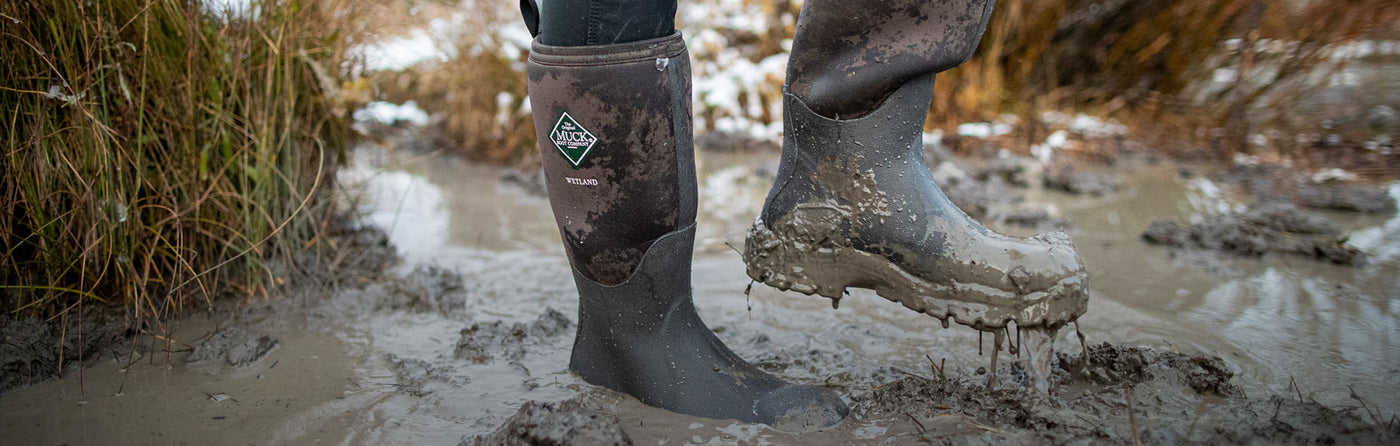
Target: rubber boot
[(614, 131), (853, 204)]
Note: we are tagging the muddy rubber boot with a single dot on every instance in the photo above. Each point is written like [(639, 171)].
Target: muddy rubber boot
[(614, 130), (853, 204)]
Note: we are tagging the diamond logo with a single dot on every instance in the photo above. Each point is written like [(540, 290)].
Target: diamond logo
[(572, 140)]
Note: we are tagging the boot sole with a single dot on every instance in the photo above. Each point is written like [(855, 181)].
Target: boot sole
[(828, 269)]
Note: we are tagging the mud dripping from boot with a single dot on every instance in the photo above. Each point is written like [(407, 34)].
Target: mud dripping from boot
[(1039, 350)]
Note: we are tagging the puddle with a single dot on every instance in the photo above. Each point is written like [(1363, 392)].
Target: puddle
[(345, 369)]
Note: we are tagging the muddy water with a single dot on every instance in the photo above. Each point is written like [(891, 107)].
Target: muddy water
[(344, 371)]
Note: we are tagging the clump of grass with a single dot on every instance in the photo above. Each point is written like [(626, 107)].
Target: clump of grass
[(157, 153)]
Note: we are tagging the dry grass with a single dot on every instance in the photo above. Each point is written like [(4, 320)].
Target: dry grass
[(157, 156), (1134, 59), (478, 96)]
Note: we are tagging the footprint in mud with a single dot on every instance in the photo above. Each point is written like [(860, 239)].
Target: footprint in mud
[(492, 341)]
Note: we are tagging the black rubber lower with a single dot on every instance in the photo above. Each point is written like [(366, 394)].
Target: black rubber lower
[(644, 338)]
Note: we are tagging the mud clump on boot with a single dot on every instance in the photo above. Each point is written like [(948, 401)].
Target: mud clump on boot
[(235, 346), (564, 423), (485, 342), (1237, 235)]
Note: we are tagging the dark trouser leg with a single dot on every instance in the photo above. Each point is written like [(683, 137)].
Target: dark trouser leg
[(613, 122), (599, 22)]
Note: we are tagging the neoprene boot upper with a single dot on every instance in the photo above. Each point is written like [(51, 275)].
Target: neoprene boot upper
[(613, 123)]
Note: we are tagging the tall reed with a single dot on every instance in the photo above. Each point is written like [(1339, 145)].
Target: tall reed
[(158, 152)]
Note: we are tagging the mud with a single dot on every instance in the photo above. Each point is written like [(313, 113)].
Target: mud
[(33, 350), (483, 342), (1274, 182), (1238, 235), (413, 375), (1174, 397), (548, 424), (233, 346), (1284, 216), (1065, 177), (27, 352), (1037, 219), (1362, 198)]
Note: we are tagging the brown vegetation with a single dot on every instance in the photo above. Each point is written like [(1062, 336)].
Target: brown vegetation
[(157, 154)]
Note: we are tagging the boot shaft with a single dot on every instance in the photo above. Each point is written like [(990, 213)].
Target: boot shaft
[(847, 57), (614, 132)]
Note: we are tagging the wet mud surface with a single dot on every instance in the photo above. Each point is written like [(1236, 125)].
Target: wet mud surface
[(467, 340)]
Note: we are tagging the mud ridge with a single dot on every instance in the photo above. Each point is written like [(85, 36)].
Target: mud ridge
[(482, 343), (564, 423), (1245, 235)]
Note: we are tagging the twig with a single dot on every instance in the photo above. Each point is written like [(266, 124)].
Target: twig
[(916, 375), (732, 248), (1082, 345), (916, 423), (1132, 419), (1374, 416), (1276, 407), (937, 369), (1293, 383)]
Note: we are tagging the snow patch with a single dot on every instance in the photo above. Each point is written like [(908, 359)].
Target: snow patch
[(388, 113)]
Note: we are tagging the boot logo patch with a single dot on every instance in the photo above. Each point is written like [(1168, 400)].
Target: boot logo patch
[(573, 141)]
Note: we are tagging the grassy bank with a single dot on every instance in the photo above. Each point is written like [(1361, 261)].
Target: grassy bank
[(158, 154)]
